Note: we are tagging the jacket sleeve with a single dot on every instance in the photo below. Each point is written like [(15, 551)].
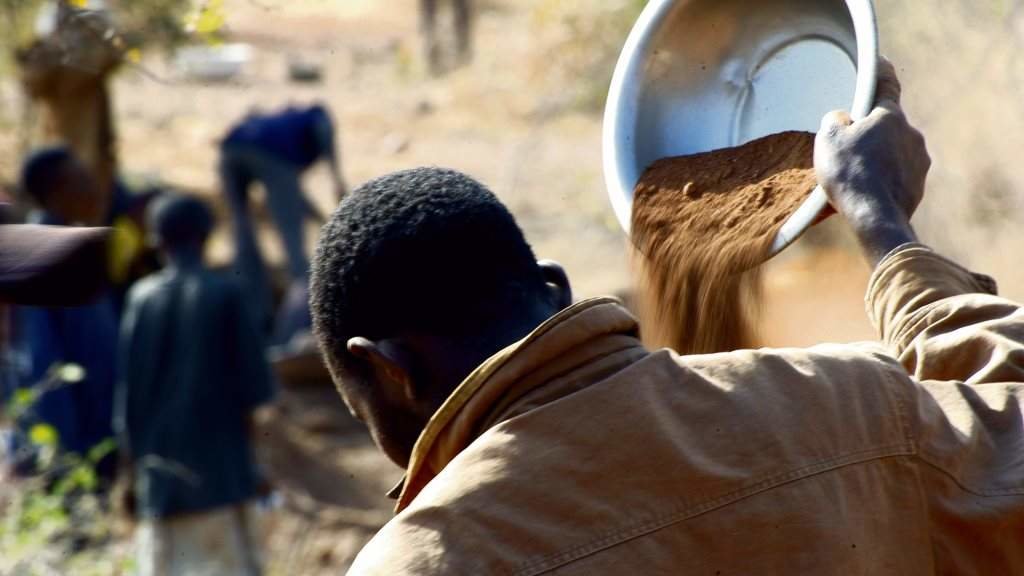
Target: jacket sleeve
[(943, 322)]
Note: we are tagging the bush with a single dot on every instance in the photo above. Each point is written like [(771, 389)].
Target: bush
[(57, 520)]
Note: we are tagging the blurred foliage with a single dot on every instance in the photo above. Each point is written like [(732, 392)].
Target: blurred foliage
[(1003, 8), (17, 20), (136, 25), (166, 24), (207, 19), (580, 47), (56, 521), (151, 23)]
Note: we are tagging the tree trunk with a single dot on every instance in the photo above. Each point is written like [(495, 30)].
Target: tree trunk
[(66, 74)]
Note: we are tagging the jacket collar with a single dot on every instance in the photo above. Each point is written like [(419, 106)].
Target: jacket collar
[(570, 339)]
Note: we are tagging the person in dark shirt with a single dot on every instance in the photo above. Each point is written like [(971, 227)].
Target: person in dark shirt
[(192, 369), (58, 182), (275, 150), (65, 194)]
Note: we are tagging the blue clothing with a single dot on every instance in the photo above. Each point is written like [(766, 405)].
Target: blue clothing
[(300, 136), (84, 335), (273, 150), (192, 370), (239, 168)]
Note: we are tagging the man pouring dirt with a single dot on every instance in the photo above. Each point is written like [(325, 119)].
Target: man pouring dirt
[(540, 437)]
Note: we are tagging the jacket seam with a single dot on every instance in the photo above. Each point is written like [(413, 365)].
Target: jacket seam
[(1017, 491), (903, 415), (769, 483)]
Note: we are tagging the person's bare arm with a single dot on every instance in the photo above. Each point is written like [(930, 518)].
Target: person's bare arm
[(325, 133), (942, 321)]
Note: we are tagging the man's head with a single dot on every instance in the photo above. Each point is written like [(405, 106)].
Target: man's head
[(61, 185), (180, 224), (419, 277)]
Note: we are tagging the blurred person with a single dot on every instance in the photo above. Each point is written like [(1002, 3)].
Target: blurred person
[(61, 187), (192, 372), (275, 150), (76, 199), (83, 335), (41, 266), (462, 17), (541, 437)]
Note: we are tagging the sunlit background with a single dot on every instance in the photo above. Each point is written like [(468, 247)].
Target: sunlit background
[(525, 118)]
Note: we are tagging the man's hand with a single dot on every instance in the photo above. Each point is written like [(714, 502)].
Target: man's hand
[(874, 170)]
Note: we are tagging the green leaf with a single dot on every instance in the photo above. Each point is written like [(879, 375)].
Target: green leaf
[(101, 450), (43, 435), (80, 477), (21, 402), (23, 398), (208, 20), (71, 373)]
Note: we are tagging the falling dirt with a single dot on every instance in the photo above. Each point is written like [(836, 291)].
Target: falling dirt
[(702, 226)]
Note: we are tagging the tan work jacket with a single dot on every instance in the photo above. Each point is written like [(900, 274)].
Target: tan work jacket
[(577, 451)]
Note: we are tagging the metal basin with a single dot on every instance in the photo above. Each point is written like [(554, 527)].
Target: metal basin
[(700, 75)]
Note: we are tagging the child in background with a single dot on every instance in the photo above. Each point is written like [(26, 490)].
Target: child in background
[(192, 370)]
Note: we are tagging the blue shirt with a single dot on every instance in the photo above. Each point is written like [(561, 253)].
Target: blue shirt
[(192, 370), (83, 335), (300, 136)]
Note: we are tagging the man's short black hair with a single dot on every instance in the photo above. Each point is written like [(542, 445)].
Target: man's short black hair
[(41, 170), (427, 250), (178, 221)]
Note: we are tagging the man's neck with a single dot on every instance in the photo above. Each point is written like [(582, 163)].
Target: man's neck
[(449, 362), (187, 259)]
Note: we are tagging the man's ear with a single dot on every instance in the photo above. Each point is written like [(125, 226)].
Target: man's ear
[(389, 363), (558, 283)]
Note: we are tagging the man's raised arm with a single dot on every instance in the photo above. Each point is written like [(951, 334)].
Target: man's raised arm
[(942, 321)]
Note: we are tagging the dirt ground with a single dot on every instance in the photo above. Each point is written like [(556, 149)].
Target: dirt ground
[(329, 477), (499, 121)]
